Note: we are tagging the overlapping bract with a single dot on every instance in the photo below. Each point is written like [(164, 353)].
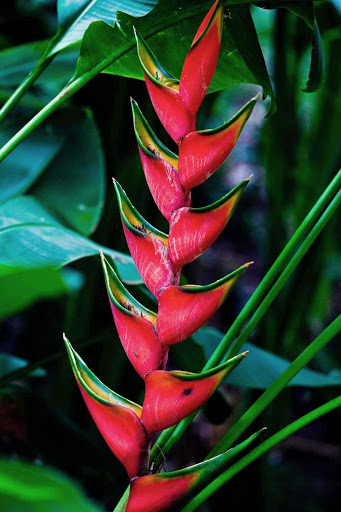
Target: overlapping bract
[(146, 336)]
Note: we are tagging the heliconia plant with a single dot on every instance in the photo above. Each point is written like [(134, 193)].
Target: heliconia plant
[(146, 336)]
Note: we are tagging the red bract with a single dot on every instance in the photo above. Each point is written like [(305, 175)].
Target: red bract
[(117, 419), (170, 491), (202, 153), (176, 102), (193, 230), (171, 396), (184, 309), (160, 167), (135, 325)]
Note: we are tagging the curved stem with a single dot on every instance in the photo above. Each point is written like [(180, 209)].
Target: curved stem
[(24, 86), (170, 436), (276, 387), (260, 450)]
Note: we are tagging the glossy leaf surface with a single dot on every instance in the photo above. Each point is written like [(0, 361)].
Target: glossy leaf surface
[(172, 396), (32, 237)]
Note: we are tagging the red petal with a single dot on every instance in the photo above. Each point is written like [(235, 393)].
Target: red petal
[(160, 167), (135, 325), (164, 94), (202, 58), (184, 309), (201, 153), (158, 493), (147, 246), (117, 419), (193, 230), (172, 396)]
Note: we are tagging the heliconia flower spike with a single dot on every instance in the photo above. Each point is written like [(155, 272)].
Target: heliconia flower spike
[(117, 419), (202, 58), (193, 230), (201, 153), (184, 309), (135, 325), (172, 396), (165, 492), (160, 167), (147, 245), (163, 90)]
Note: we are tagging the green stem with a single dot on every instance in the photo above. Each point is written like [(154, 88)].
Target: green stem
[(259, 451), (170, 436), (272, 294), (121, 505), (24, 86), (276, 387)]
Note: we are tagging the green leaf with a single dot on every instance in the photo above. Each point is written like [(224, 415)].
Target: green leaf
[(17, 62), (30, 488), (260, 368), (74, 17), (69, 153), (317, 64), (10, 363), (74, 183), (171, 22), (22, 289), (22, 168), (32, 237)]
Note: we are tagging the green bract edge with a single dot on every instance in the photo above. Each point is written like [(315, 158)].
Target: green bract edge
[(122, 196), (242, 185), (106, 265), (191, 288), (75, 359), (137, 111)]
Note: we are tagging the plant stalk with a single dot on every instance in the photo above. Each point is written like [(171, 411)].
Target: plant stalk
[(170, 436), (260, 450), (24, 86), (276, 387)]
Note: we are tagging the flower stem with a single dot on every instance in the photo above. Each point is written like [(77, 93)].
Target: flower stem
[(24, 86), (170, 436), (276, 387), (260, 450)]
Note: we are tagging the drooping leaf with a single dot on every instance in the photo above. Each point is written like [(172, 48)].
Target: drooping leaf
[(74, 183), (172, 396), (317, 64), (36, 488), (117, 419), (32, 237), (74, 17), (64, 164), (169, 491), (167, 24), (9, 363), (21, 289), (261, 367)]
